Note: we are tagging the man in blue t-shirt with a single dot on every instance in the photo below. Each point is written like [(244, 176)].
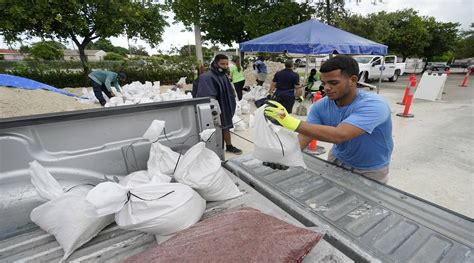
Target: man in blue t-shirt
[(358, 123), (261, 68)]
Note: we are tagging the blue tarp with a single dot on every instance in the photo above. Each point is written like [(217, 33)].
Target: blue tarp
[(313, 37), (24, 83)]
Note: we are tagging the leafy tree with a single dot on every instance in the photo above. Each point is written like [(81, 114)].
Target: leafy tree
[(331, 12), (238, 21), (107, 46), (139, 51), (81, 21), (408, 33), (444, 38), (24, 49), (465, 47), (113, 56), (46, 50)]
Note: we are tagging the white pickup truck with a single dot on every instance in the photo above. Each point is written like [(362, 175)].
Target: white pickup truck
[(369, 67)]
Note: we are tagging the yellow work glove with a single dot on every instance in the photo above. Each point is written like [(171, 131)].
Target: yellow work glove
[(275, 111)]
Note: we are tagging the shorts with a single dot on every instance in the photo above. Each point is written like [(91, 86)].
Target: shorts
[(380, 175), (261, 76)]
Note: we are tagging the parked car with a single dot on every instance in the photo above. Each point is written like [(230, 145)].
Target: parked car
[(369, 67), (436, 66), (299, 63)]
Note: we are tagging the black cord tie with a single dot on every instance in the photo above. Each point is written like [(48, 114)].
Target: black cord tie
[(79, 185), (130, 194)]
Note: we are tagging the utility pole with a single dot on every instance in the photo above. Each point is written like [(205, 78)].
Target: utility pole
[(197, 36)]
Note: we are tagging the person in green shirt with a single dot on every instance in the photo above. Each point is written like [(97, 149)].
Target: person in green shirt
[(311, 85), (237, 76), (102, 81)]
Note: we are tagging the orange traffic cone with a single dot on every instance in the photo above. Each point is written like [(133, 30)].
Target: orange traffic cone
[(464, 81)]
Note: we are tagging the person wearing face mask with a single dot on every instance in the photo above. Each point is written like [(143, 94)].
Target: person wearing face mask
[(216, 84), (358, 123)]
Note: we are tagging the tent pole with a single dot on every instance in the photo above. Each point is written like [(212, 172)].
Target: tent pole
[(306, 68), (382, 64)]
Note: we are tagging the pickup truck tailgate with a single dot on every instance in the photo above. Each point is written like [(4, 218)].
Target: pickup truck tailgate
[(362, 215)]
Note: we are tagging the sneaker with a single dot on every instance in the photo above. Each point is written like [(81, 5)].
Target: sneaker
[(234, 150)]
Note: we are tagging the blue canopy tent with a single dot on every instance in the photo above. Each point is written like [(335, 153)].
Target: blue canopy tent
[(313, 37)]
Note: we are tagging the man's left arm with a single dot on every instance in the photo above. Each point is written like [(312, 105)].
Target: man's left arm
[(117, 85), (339, 134)]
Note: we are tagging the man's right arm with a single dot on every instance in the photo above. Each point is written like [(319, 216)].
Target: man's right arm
[(304, 140), (206, 87)]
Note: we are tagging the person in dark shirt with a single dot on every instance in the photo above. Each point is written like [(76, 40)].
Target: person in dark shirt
[(216, 84), (285, 84)]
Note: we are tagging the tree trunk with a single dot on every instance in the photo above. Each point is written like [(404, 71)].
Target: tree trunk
[(328, 11), (82, 55)]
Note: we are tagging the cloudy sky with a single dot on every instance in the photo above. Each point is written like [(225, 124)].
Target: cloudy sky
[(461, 11)]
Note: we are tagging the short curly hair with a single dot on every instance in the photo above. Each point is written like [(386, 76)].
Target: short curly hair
[(346, 64)]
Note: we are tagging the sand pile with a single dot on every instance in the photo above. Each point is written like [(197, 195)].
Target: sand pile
[(21, 102)]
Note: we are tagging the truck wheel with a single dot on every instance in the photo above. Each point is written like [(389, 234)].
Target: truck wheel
[(364, 77), (395, 76)]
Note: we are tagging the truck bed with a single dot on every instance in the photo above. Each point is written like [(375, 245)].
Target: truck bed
[(364, 219)]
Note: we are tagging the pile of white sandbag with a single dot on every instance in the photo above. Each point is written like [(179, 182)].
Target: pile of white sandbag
[(257, 93), (145, 200), (242, 107), (137, 93)]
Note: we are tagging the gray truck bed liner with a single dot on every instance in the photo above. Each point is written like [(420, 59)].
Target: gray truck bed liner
[(362, 215), (83, 146)]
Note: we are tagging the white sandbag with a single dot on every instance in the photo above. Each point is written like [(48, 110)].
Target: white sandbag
[(201, 169), (153, 132), (245, 106), (207, 134), (143, 177), (238, 109), (251, 121), (145, 100), (45, 184), (181, 82), (116, 100), (64, 216), (275, 143), (162, 161), (239, 123), (161, 209)]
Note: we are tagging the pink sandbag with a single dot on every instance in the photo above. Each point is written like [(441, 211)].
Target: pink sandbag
[(240, 235)]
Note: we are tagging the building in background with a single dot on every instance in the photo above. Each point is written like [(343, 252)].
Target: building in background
[(92, 55), (10, 54)]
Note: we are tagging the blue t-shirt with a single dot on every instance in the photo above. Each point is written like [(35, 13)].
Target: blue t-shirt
[(261, 66), (369, 112)]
